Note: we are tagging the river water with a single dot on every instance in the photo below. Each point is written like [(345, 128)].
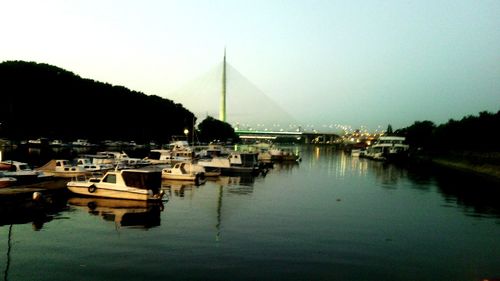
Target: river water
[(330, 217)]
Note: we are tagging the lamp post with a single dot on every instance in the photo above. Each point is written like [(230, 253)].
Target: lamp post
[(186, 132)]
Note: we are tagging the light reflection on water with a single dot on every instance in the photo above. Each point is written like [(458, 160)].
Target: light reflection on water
[(329, 217)]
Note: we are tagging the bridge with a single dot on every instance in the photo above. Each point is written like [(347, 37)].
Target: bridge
[(226, 93), (297, 136)]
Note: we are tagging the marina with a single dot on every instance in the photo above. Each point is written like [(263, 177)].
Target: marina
[(329, 217)]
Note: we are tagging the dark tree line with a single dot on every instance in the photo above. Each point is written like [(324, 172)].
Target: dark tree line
[(471, 133), (40, 100), (213, 130)]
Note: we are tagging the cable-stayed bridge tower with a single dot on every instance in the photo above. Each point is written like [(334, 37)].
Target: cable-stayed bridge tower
[(222, 109), (246, 106)]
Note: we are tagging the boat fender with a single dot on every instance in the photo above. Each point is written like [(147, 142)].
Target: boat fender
[(92, 188), (37, 196), (197, 180)]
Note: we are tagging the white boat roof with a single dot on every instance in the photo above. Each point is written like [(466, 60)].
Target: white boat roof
[(13, 162), (391, 138)]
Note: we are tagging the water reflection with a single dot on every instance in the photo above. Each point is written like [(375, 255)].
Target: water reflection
[(476, 196), (17, 209), (242, 185), (387, 174), (178, 188), (124, 213), (286, 167)]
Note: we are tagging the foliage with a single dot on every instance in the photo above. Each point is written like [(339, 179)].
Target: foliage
[(213, 130), (40, 100), (471, 133), (389, 130), (419, 135)]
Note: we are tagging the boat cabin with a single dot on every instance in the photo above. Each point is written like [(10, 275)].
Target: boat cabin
[(134, 178)]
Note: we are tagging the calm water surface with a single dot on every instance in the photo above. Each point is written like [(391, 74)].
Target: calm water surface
[(331, 217)]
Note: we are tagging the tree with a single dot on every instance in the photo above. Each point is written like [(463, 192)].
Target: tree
[(389, 130), (212, 130), (41, 100), (420, 134)]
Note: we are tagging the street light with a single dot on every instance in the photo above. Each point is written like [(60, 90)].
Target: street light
[(186, 132)]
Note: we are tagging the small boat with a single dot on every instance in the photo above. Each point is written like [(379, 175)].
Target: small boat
[(119, 158), (82, 143), (177, 151), (63, 169), (388, 148), (236, 163), (22, 172), (38, 142), (6, 181), (58, 143), (184, 171), (89, 165), (125, 184), (285, 155)]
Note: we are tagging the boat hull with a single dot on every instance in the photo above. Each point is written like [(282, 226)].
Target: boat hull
[(180, 177), (91, 189)]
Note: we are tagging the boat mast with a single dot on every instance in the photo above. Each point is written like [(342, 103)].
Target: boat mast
[(222, 109)]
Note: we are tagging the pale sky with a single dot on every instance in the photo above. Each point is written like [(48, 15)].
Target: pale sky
[(326, 62)]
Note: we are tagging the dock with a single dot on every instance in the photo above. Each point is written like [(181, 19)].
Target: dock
[(28, 189)]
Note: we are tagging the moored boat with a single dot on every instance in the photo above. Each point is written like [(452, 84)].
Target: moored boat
[(124, 184), (63, 169), (177, 151), (6, 181), (89, 165), (388, 148), (22, 172), (236, 163), (184, 171)]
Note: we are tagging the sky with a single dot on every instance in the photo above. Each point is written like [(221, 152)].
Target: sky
[(358, 63)]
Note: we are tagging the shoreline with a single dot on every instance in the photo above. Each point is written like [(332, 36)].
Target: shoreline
[(491, 171), (485, 165)]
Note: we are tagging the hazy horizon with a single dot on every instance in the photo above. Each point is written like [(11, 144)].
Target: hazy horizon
[(363, 63)]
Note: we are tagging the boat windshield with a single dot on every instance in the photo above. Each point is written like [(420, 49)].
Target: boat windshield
[(151, 180)]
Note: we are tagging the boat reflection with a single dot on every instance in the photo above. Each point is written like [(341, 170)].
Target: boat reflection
[(124, 213), (20, 209), (285, 166), (178, 188), (387, 174), (242, 185)]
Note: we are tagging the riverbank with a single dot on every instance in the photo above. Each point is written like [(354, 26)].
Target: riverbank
[(481, 163)]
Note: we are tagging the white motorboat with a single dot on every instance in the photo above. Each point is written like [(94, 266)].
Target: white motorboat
[(177, 151), (22, 172), (120, 159), (63, 169), (6, 181), (125, 184), (90, 166), (184, 171), (235, 163), (82, 143), (388, 148)]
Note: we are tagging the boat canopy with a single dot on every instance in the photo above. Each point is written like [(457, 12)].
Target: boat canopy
[(248, 159), (143, 180)]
